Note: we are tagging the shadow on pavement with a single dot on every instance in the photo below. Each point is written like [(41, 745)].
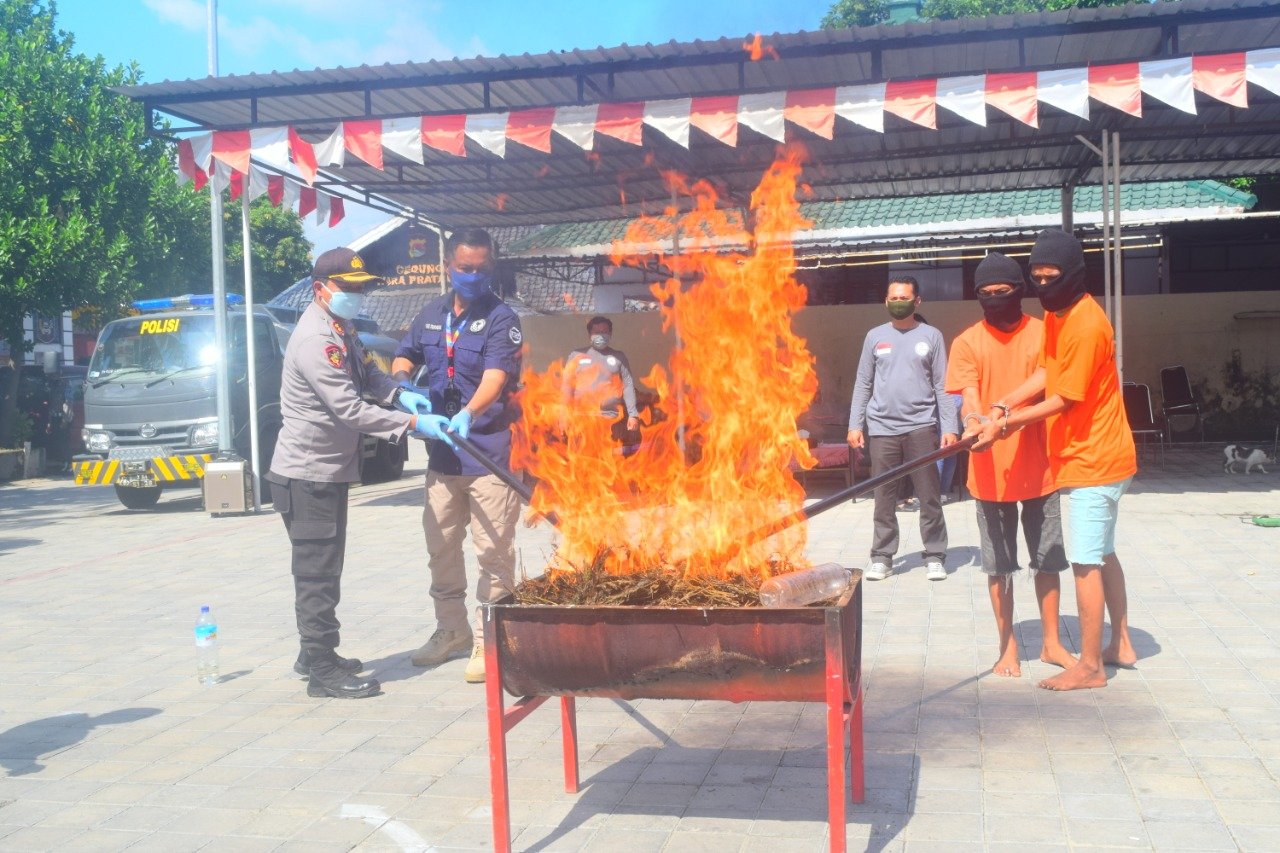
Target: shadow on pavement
[(1030, 637), (7, 545), (22, 745)]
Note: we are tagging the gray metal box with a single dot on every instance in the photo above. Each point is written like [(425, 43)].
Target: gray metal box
[(228, 486)]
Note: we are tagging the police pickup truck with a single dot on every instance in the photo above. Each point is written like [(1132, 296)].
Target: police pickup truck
[(150, 398)]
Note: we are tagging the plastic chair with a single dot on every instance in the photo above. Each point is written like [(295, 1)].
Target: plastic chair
[(1142, 421), (1180, 406)]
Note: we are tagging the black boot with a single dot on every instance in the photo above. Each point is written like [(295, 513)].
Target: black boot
[(302, 665), (327, 678)]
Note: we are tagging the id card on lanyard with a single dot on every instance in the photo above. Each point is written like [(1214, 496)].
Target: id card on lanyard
[(452, 394)]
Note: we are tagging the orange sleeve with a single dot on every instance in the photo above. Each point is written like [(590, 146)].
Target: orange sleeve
[(962, 366)]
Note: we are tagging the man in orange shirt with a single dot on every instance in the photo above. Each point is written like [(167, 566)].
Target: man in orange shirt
[(989, 359), (1091, 452)]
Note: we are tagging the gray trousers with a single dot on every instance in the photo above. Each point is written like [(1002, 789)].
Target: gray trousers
[(315, 517), (890, 451)]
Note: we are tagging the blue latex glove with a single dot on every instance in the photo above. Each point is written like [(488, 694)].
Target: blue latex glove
[(413, 399), (461, 423), (433, 426)]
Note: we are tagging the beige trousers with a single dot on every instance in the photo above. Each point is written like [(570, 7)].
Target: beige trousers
[(491, 509)]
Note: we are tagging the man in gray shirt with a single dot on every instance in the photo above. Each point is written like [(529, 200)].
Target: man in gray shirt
[(899, 397), (599, 376)]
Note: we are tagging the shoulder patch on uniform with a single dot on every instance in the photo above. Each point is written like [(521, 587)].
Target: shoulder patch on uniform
[(333, 352), (514, 334), (478, 325)]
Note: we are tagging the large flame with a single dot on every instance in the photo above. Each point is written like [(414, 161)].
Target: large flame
[(717, 467)]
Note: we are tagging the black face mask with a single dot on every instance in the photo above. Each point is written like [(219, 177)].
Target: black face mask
[(1058, 248), (1002, 310)]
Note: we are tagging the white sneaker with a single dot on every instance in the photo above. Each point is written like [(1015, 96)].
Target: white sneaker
[(474, 673), (935, 571), (877, 571)]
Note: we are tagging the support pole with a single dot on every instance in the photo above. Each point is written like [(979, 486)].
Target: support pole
[(251, 356), (218, 252), (1106, 225), (675, 325), (1117, 255), (1068, 208)]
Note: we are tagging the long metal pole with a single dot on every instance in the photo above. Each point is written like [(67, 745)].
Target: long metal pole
[(251, 355), (1118, 254), (1106, 225), (219, 272)]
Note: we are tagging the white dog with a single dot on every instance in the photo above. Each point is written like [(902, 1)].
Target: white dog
[(1242, 460)]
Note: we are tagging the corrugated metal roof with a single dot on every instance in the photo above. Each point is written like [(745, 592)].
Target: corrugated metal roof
[(887, 218), (619, 180)]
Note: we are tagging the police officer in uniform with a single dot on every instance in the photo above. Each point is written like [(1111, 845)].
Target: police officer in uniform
[(325, 401), (599, 376), (469, 340)]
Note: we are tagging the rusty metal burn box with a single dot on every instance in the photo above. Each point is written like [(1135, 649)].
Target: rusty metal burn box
[(800, 654)]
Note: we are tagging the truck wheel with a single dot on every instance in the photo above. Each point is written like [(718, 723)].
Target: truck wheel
[(138, 498), (385, 465)]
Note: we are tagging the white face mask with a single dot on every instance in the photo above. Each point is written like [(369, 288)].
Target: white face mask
[(345, 305), (600, 341)]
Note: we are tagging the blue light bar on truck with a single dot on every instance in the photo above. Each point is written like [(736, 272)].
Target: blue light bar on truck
[(190, 300)]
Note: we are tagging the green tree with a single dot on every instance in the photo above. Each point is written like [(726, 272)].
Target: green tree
[(865, 13)]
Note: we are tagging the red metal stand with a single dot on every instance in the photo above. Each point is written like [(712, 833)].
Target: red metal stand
[(844, 715)]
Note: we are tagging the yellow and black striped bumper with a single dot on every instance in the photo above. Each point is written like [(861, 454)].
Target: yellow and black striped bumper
[(165, 469)]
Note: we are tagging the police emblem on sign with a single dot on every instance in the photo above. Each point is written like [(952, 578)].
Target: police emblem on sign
[(514, 334), (333, 352), (478, 324)]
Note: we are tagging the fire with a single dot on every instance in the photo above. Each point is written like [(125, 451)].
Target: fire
[(717, 467), (757, 50)]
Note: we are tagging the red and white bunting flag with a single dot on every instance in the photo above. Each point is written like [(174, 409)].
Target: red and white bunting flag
[(324, 203), (717, 117), (532, 128), (304, 156), (232, 147), (403, 136), (577, 124), (270, 145), (862, 105), (237, 185), (275, 189), (332, 151), (364, 139), (202, 150), (1117, 86), (306, 201), (1262, 68), (258, 183), (445, 133), (622, 120), (292, 190), (914, 100), (965, 96), (337, 210), (765, 113), (489, 131), (670, 118), (1065, 88), (814, 110), (1221, 76), (1169, 80), (187, 168), (220, 175), (1015, 94)]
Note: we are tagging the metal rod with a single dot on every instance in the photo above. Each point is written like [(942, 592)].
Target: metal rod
[(473, 450), (1117, 255), (1106, 225), (841, 497), (219, 273), (250, 349)]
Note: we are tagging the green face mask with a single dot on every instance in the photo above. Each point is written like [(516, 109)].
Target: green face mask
[(901, 309)]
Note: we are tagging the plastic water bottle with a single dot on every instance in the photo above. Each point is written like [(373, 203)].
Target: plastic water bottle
[(797, 589), (206, 647)]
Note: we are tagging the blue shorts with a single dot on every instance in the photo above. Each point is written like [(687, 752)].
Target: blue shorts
[(1091, 521)]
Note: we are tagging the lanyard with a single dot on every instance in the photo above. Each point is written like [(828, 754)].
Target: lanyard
[(450, 340)]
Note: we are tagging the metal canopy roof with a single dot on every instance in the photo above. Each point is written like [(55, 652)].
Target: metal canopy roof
[(619, 180)]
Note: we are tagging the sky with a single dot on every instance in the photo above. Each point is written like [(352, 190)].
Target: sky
[(168, 39)]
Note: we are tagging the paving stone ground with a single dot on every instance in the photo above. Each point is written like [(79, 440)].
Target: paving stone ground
[(107, 742)]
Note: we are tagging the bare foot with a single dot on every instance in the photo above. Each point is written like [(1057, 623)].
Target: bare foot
[(1120, 654), (1077, 677), (1058, 656), (1008, 665)]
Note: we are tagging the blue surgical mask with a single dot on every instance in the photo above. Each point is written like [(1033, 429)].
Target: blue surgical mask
[(345, 305), (470, 285)]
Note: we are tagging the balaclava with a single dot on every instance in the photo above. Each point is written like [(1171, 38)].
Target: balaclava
[(1006, 309), (1062, 250)]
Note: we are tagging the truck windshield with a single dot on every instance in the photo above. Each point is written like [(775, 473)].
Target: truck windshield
[(147, 345)]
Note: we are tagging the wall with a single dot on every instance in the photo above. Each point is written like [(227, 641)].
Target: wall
[(1195, 330)]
